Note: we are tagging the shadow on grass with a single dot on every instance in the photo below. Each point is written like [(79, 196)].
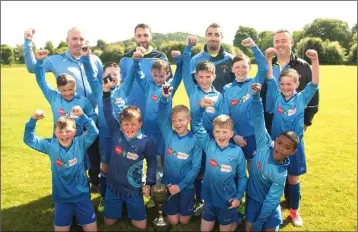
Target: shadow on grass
[(38, 216)]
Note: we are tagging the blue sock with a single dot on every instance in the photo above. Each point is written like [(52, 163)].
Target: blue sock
[(103, 184), (198, 184), (294, 191)]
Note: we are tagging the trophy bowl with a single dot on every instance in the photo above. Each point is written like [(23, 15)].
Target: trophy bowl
[(159, 196)]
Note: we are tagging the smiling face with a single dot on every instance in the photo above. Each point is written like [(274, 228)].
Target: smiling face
[(180, 122), (241, 68), (213, 38), (67, 91), (283, 147), (113, 71), (65, 130), (283, 43), (159, 76), (75, 40), (205, 80), (131, 127), (143, 37), (222, 135)]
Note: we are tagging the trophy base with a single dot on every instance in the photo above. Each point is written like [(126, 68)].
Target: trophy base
[(161, 224)]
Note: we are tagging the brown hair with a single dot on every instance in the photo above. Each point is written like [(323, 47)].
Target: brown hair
[(143, 26), (160, 65), (129, 113), (63, 122), (205, 66), (223, 121), (180, 108), (290, 73), (64, 79), (292, 136), (213, 25), (241, 56)]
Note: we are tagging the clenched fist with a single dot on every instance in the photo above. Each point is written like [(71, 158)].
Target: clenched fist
[(41, 54), (248, 42), (256, 88), (29, 33), (39, 114), (312, 54)]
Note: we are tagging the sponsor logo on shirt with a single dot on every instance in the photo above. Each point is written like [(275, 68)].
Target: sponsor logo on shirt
[(118, 150), (72, 162), (224, 68), (61, 111), (225, 168), (182, 156), (234, 102), (132, 156), (259, 166), (170, 151), (59, 162), (154, 97), (289, 112), (210, 109)]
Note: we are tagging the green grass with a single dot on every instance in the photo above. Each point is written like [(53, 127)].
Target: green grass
[(329, 200)]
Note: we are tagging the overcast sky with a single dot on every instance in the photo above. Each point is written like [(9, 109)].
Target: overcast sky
[(114, 21)]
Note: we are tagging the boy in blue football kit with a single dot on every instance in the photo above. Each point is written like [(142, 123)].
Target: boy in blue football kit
[(268, 172), (288, 108), (237, 98), (119, 95), (65, 98), (70, 188), (130, 147), (221, 195), (182, 160), (205, 76), (152, 88)]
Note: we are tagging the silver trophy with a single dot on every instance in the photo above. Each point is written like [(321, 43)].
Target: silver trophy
[(159, 196)]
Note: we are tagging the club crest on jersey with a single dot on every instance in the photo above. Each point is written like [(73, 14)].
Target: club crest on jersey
[(213, 163), (259, 166), (59, 162), (224, 68), (234, 102)]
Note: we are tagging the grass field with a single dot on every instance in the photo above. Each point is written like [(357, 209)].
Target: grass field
[(329, 189)]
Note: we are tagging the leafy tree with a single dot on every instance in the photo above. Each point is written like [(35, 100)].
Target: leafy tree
[(62, 44), (241, 34), (352, 56), (329, 29), (18, 56), (60, 50), (297, 36), (311, 43), (112, 53), (265, 40), (101, 44), (334, 53), (49, 46), (354, 29), (7, 54)]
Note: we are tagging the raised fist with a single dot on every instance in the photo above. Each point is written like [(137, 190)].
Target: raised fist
[(206, 102), (270, 52), (175, 53), (29, 33), (41, 54), (76, 112), (39, 114), (137, 55), (312, 54), (192, 40), (248, 42), (141, 49), (256, 88)]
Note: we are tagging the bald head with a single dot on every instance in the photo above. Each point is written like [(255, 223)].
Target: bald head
[(75, 40)]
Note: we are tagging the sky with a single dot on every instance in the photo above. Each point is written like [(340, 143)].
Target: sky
[(115, 21)]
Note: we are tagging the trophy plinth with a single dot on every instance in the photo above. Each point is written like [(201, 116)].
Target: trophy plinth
[(159, 196)]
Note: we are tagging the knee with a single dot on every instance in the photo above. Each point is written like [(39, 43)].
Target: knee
[(293, 179), (109, 222), (184, 220), (104, 168), (173, 219), (142, 225)]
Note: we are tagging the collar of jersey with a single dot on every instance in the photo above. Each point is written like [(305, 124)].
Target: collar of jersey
[(138, 136), (235, 82)]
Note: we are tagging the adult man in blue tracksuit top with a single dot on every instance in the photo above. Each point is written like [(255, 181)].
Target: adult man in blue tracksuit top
[(216, 54), (143, 37), (268, 172), (70, 62)]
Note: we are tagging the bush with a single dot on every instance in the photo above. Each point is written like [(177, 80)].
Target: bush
[(334, 53), (311, 43), (112, 53), (352, 56)]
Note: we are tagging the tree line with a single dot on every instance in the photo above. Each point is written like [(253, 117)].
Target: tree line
[(334, 41)]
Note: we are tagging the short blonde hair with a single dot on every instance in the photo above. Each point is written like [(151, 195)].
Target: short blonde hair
[(160, 65), (223, 121), (129, 113), (180, 108), (290, 73)]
